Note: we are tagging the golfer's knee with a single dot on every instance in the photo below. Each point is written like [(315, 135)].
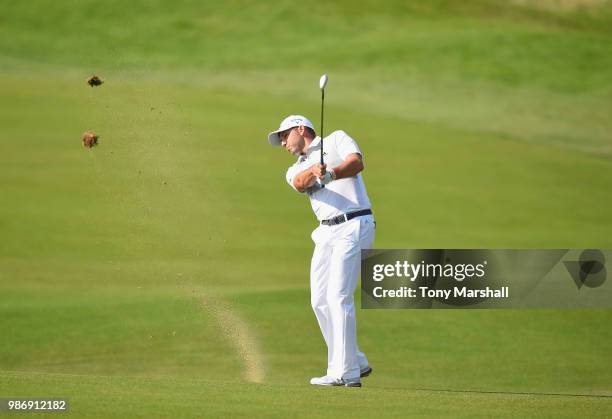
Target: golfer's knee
[(318, 303), (339, 299)]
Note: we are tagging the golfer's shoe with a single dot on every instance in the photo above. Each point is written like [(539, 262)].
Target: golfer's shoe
[(332, 381), (365, 371)]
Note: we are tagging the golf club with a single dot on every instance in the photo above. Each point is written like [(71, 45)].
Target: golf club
[(322, 83)]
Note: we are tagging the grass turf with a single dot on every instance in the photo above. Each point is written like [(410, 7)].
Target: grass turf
[(482, 125)]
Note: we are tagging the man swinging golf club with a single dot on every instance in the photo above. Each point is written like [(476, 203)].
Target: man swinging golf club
[(332, 180)]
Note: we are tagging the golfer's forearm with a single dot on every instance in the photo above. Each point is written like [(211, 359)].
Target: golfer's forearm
[(351, 166), (304, 180)]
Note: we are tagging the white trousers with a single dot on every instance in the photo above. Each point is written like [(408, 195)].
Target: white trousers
[(334, 269)]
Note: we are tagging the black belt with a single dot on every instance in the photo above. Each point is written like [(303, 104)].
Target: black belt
[(345, 217)]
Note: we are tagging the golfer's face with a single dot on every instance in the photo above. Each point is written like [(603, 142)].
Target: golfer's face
[(292, 141)]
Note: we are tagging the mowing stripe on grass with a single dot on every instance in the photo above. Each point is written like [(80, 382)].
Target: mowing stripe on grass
[(513, 393)]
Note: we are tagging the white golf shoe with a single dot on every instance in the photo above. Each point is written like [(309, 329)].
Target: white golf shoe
[(329, 381)]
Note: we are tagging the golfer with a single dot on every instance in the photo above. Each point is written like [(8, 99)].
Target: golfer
[(340, 203)]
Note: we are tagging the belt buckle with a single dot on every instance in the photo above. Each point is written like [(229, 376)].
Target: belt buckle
[(336, 220)]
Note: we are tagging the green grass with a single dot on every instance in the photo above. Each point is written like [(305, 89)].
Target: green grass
[(482, 124), (105, 396)]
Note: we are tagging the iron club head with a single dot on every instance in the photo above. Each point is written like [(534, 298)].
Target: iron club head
[(323, 81)]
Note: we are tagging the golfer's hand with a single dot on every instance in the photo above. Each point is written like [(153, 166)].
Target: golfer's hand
[(318, 170), (327, 178)]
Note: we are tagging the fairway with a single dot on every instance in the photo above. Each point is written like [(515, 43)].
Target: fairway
[(164, 273)]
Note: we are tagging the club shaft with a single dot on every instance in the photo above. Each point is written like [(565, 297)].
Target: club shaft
[(322, 102)]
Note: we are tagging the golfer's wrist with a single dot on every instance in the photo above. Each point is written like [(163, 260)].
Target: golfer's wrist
[(329, 177)]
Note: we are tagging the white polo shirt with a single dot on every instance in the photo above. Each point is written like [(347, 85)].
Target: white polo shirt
[(339, 196)]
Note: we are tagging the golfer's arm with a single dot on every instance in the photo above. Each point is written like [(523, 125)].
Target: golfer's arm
[(352, 165), (304, 180)]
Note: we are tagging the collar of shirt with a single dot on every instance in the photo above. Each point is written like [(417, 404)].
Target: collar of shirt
[(315, 142), (313, 146)]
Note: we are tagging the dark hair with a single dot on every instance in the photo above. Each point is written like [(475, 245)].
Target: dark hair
[(310, 131)]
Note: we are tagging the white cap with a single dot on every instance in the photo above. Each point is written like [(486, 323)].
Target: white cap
[(289, 122)]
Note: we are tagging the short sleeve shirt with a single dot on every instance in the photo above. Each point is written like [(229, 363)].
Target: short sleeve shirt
[(340, 196)]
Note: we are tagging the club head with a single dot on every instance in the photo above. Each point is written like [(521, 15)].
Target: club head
[(323, 81)]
